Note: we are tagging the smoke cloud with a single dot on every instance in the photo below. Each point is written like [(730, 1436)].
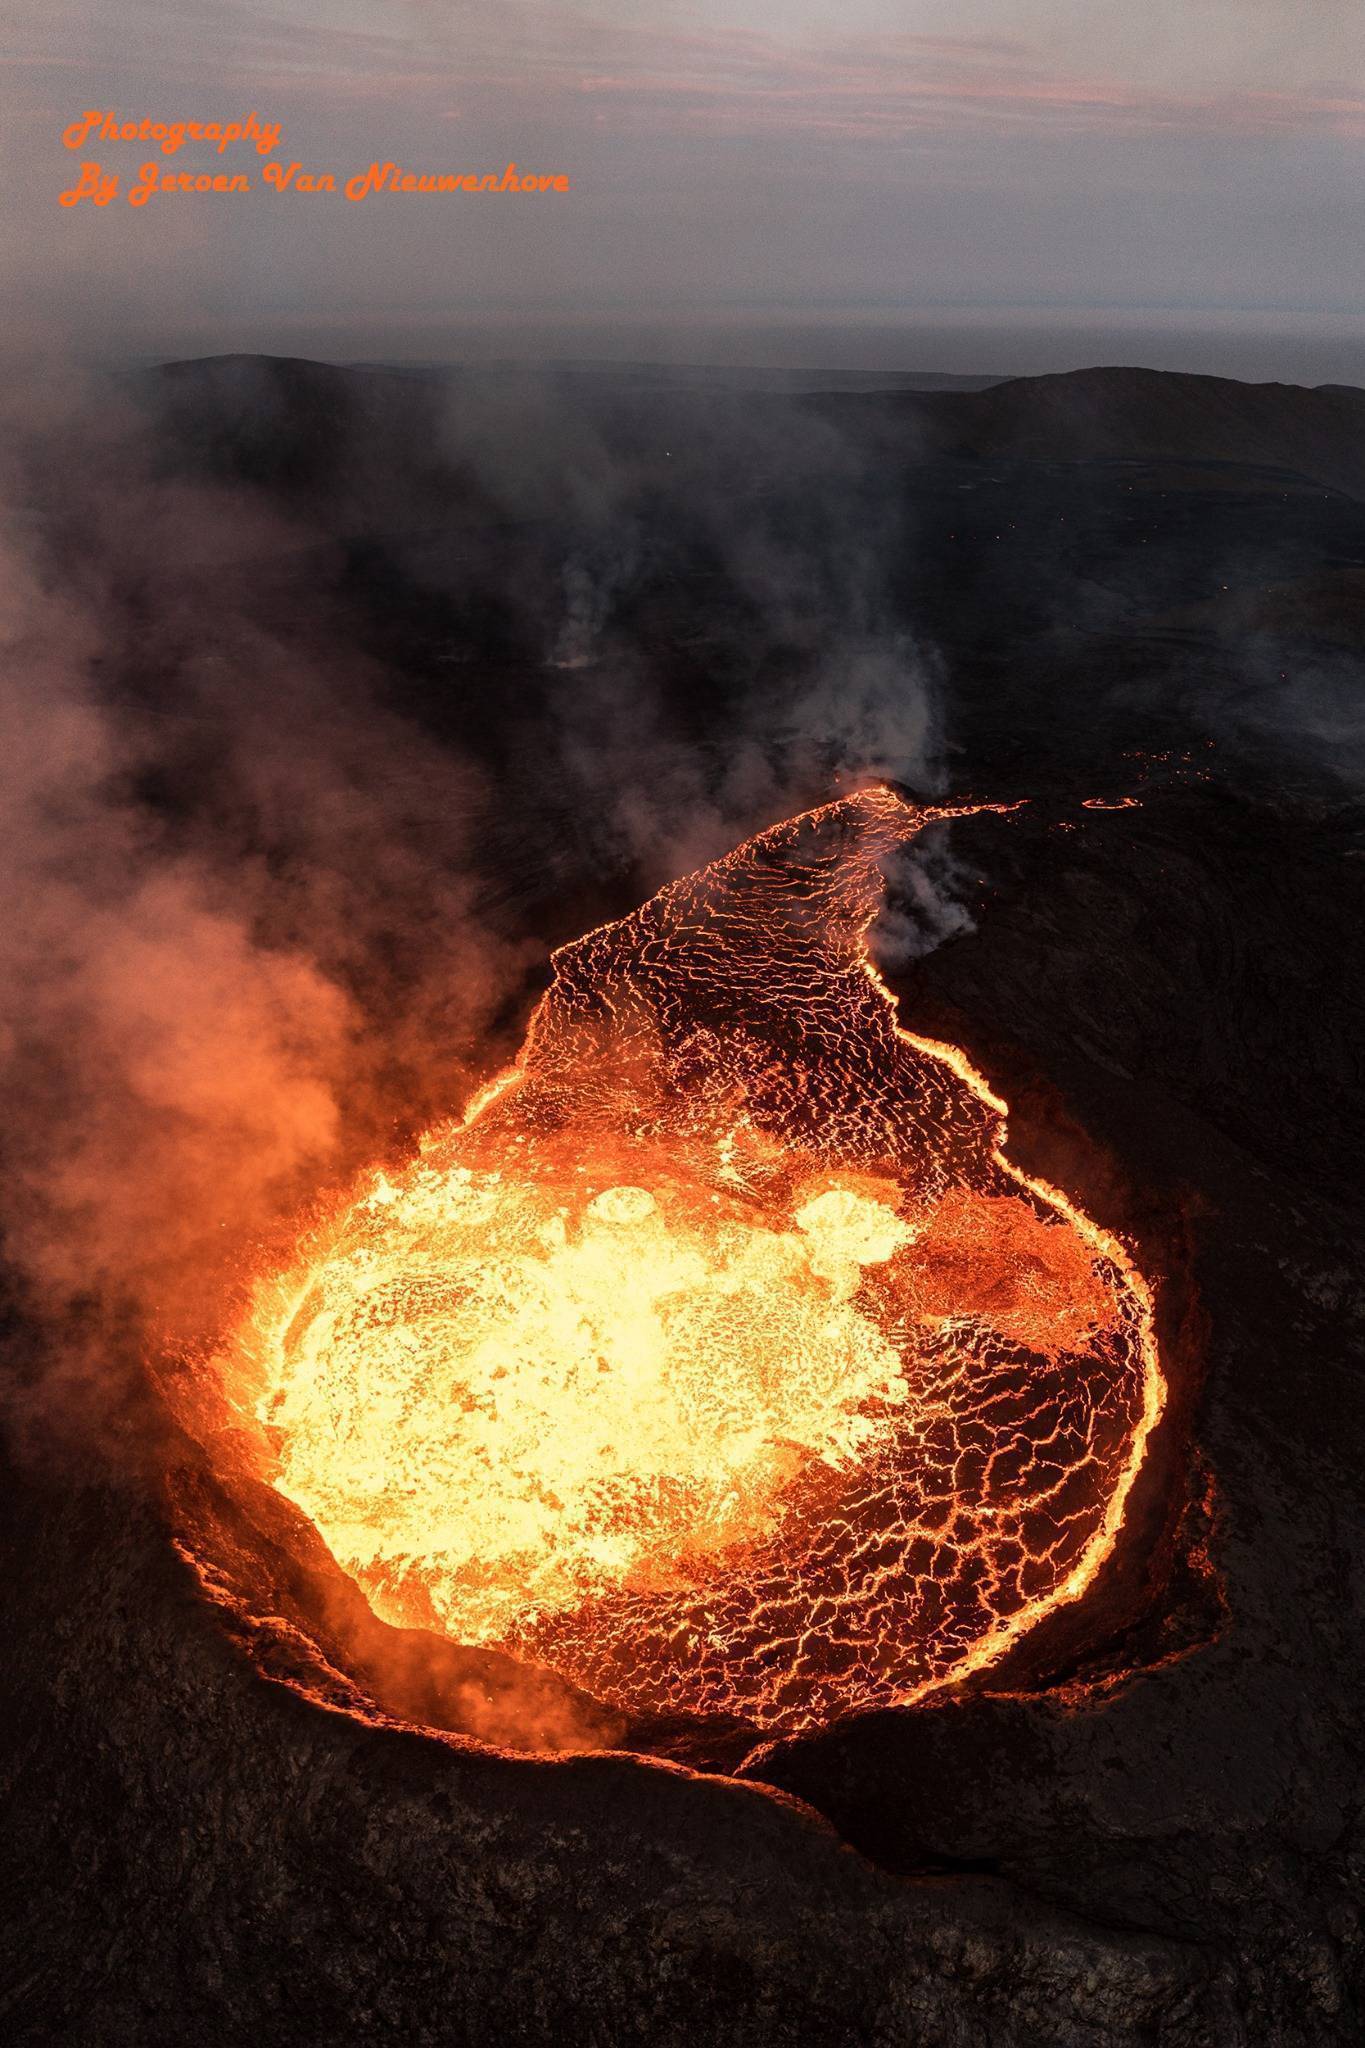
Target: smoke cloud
[(266, 898), (224, 867), (927, 891), (678, 726)]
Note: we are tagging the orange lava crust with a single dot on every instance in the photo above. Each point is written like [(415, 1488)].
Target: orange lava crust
[(718, 1359)]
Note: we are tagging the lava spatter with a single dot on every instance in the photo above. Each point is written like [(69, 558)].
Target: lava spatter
[(718, 1359)]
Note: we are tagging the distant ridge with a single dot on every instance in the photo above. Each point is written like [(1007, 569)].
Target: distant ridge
[(1110, 414), (1317, 433)]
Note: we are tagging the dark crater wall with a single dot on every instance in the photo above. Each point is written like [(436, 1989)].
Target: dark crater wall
[(1147, 1825)]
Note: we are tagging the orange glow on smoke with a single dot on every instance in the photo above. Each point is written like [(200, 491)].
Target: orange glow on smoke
[(718, 1359)]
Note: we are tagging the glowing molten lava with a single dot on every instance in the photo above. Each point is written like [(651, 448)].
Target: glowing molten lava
[(718, 1360)]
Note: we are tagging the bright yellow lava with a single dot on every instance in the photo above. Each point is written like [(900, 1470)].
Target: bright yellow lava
[(627, 1382)]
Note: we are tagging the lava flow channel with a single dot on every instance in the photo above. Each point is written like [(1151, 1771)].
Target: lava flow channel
[(718, 1359)]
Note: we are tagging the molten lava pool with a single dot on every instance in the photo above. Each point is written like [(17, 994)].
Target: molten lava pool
[(718, 1360)]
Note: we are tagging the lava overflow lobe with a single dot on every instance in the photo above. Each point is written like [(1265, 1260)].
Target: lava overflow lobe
[(719, 1359)]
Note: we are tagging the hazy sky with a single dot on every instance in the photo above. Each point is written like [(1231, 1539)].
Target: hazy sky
[(896, 183)]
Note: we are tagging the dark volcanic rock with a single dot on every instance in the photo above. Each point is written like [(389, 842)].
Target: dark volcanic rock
[(1146, 1826), (190, 1850)]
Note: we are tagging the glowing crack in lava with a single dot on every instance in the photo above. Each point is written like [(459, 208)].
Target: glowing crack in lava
[(718, 1360)]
